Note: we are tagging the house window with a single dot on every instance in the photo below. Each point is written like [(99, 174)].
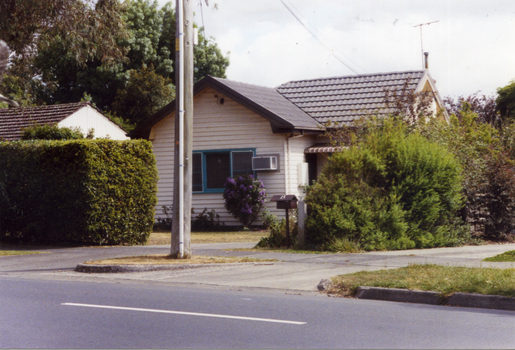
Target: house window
[(197, 172), (212, 168)]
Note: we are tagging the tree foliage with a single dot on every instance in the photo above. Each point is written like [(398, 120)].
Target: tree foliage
[(85, 31), (407, 104), (486, 155), (89, 28), (145, 93), (95, 48), (506, 102), (484, 106)]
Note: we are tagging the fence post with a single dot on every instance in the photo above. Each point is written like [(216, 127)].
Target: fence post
[(302, 211)]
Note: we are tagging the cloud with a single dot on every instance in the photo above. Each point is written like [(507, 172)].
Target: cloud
[(470, 47)]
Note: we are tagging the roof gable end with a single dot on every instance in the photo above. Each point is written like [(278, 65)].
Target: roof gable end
[(283, 115)]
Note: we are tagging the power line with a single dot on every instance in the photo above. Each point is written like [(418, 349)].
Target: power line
[(314, 32), (202, 16)]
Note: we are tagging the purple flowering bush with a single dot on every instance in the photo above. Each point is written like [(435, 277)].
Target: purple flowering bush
[(244, 197)]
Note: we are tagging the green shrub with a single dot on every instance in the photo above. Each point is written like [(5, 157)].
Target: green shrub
[(392, 190), (498, 199), (268, 219), (77, 192), (277, 236), (206, 221), (488, 179), (53, 132), (341, 245), (164, 223)]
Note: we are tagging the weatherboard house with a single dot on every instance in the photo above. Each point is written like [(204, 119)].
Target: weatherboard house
[(79, 115), (275, 134)]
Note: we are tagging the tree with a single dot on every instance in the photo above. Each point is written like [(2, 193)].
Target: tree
[(484, 106), (407, 104), (148, 40), (13, 88), (85, 30), (145, 23), (506, 102), (209, 60), (146, 93), (486, 155)]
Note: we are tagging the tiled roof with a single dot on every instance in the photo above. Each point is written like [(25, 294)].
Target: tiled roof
[(14, 120), (344, 99), (270, 101), (306, 104)]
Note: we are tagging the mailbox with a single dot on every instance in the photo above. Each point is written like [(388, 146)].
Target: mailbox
[(287, 201)]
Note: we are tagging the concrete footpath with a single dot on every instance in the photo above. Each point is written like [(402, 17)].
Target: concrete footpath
[(292, 273)]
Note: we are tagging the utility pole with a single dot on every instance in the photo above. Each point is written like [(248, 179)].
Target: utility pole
[(182, 189)]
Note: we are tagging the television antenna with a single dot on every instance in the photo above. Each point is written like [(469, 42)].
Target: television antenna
[(421, 41)]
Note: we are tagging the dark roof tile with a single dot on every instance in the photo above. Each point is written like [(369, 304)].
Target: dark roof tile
[(306, 104), (271, 101), (344, 99), (14, 120)]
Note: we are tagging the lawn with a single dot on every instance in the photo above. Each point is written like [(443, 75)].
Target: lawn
[(16, 252), (164, 238), (443, 279), (163, 259), (504, 257)]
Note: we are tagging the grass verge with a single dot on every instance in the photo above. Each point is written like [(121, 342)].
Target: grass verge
[(504, 257), (164, 238), (164, 259), (281, 250), (443, 279), (17, 252)]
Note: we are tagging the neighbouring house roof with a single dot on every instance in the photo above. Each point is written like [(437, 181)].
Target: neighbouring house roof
[(344, 99), (14, 120), (306, 105)]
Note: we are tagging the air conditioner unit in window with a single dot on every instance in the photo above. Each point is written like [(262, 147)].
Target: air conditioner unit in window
[(264, 163)]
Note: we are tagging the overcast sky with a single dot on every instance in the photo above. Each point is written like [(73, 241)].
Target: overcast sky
[(471, 48)]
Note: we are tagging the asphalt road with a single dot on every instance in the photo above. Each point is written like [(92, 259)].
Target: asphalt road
[(73, 314)]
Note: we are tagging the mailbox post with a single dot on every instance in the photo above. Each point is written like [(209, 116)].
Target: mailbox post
[(287, 202)]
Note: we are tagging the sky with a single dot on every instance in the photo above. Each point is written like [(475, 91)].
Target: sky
[(471, 47)]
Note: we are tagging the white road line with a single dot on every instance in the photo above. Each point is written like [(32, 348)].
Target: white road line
[(184, 313)]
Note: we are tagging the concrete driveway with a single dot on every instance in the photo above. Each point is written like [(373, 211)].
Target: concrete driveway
[(292, 272)]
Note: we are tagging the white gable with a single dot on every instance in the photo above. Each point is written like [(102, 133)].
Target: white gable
[(88, 118)]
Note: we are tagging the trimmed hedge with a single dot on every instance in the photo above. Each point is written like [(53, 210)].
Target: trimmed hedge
[(77, 192)]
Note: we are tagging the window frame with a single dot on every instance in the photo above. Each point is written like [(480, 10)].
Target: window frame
[(204, 166)]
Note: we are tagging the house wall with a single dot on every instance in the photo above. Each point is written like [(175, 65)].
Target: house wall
[(296, 146), (219, 126), (87, 118)]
